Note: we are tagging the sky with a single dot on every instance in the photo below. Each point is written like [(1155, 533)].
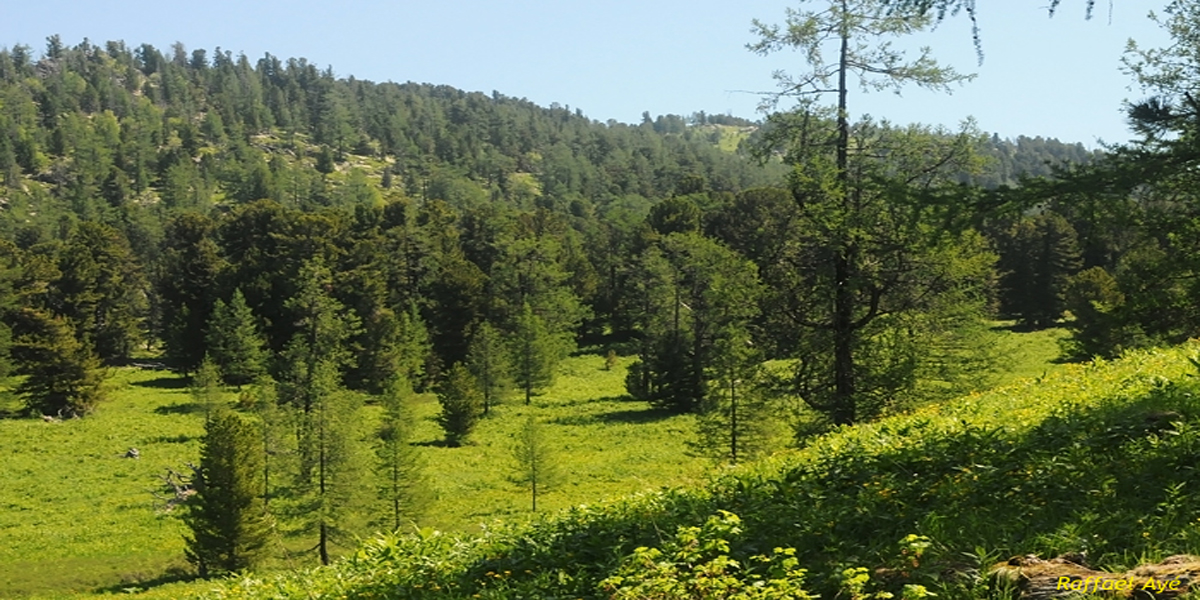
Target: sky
[(1058, 77)]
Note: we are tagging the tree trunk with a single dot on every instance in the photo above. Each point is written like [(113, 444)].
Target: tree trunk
[(843, 310)]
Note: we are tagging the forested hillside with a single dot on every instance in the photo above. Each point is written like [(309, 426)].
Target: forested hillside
[(324, 261)]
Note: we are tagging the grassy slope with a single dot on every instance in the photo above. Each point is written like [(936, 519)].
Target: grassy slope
[(77, 516), (1098, 457)]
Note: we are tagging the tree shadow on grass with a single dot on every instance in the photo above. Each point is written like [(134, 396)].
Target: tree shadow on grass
[(633, 416), (133, 582), (163, 383), (182, 408), (171, 439), (438, 443)]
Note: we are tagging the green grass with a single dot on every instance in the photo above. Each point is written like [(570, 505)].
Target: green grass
[(77, 517), (1028, 354), (1098, 458), (609, 446), (75, 514)]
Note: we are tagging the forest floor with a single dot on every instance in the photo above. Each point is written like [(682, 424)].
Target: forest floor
[(80, 520)]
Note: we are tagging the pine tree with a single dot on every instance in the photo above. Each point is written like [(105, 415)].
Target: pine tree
[(401, 483), (416, 348), (734, 419), (536, 353), (867, 244), (536, 464), (101, 290), (462, 405), (64, 376), (328, 480), (234, 342), (206, 386), (1039, 256), (228, 519), (488, 360)]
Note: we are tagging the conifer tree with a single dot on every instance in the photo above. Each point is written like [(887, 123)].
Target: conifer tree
[(868, 245), (234, 343), (536, 465), (206, 386), (101, 290), (64, 376), (263, 400), (228, 519), (734, 419), (462, 404), (329, 478), (401, 483), (488, 359), (536, 353)]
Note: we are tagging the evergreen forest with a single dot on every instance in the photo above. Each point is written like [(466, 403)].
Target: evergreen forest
[(305, 335)]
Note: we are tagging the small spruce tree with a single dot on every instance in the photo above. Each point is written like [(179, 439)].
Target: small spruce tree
[(234, 342), (206, 386), (228, 519), (536, 353), (462, 405)]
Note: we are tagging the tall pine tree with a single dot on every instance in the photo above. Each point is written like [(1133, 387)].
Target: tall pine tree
[(401, 484), (328, 481)]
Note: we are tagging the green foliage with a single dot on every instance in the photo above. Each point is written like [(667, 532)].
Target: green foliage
[(1038, 254), (489, 361), (462, 405), (63, 376), (537, 465), (229, 524), (329, 479), (101, 290), (696, 564), (400, 471), (187, 285), (1098, 328), (206, 387), (234, 343), (536, 352), (691, 292), (736, 418)]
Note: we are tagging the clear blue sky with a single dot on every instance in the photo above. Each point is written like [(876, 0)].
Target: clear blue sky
[(1055, 77)]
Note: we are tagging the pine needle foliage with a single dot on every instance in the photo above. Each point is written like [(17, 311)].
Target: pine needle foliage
[(234, 342), (228, 519), (489, 361), (401, 484), (462, 405), (536, 465), (64, 375)]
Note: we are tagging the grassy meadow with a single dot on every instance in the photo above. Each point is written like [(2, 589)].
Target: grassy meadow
[(77, 517), (80, 520)]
